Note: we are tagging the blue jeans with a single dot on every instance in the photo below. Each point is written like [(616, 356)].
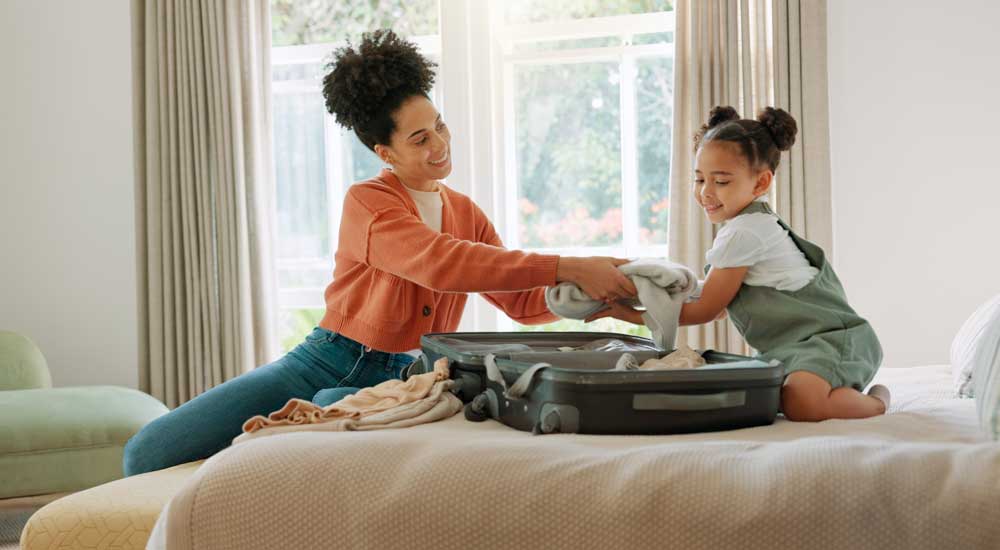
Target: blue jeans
[(325, 368)]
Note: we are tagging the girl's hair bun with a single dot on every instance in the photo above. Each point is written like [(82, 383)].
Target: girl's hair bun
[(781, 125), (720, 114)]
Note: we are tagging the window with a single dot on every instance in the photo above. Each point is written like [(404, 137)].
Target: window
[(587, 124), (315, 159), (565, 102)]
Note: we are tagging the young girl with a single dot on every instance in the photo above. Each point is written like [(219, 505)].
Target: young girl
[(778, 288)]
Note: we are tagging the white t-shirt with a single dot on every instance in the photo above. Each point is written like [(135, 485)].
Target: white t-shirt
[(756, 240), (429, 205)]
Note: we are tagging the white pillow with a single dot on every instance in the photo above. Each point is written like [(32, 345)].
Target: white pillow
[(986, 384), (976, 346)]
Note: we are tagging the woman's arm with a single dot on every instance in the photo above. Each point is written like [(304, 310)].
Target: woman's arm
[(720, 288), (526, 307), (394, 240)]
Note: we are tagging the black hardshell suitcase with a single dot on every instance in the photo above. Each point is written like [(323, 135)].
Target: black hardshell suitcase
[(523, 380)]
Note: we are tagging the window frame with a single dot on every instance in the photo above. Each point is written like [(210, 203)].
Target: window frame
[(477, 100)]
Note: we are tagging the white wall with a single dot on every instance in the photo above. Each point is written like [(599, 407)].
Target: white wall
[(67, 214), (915, 131)]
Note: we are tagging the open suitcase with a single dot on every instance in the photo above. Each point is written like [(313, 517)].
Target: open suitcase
[(548, 382)]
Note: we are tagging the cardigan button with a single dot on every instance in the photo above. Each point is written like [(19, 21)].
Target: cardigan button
[(427, 311)]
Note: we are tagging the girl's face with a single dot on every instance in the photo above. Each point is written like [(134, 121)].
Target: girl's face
[(725, 183), (420, 147)]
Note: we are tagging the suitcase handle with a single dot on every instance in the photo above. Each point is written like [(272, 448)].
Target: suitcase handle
[(688, 402)]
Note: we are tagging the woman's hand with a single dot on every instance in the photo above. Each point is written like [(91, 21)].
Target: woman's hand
[(619, 311), (599, 277)]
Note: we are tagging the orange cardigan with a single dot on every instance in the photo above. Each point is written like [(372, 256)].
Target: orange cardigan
[(397, 279)]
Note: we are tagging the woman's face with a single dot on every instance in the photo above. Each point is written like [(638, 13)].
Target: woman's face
[(420, 147), (724, 183)]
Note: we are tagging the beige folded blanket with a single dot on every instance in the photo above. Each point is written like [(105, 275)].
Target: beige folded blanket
[(392, 404), (683, 358)]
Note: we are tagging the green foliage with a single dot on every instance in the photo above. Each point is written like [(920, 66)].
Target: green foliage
[(297, 324), (536, 11), (569, 154), (296, 22), (654, 96)]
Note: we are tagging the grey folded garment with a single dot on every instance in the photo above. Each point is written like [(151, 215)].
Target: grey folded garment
[(604, 344), (663, 287)]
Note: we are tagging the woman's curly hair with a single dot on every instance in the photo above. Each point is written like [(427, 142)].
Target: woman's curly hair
[(365, 85), (761, 141)]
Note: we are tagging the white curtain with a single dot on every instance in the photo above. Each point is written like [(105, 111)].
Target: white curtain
[(749, 54), (801, 88), (204, 192)]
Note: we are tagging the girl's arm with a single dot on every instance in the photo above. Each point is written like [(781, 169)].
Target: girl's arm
[(720, 288)]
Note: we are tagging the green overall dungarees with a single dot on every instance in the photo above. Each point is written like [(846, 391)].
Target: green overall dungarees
[(811, 329)]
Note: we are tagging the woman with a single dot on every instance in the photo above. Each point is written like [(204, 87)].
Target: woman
[(409, 250)]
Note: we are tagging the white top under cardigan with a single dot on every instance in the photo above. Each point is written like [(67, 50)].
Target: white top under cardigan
[(429, 205)]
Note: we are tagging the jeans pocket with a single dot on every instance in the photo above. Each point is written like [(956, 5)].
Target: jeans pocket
[(320, 334), (332, 356)]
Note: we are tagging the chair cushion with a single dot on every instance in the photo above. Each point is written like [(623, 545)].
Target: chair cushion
[(119, 514), (66, 439), (22, 365)]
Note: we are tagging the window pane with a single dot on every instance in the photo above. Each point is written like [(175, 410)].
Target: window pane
[(364, 163), (536, 11), (568, 132), (300, 168), (297, 71), (296, 324), (296, 22), (653, 38), (312, 274), (576, 43), (654, 104), (606, 324)]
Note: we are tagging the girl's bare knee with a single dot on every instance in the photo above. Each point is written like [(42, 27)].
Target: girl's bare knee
[(800, 406)]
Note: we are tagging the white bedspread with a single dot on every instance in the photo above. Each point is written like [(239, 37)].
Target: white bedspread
[(923, 476)]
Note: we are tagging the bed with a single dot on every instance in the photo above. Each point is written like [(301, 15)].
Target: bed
[(924, 476)]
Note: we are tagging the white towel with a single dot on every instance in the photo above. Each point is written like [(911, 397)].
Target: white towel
[(663, 287)]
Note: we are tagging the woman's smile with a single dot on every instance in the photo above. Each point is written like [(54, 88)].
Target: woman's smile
[(443, 160)]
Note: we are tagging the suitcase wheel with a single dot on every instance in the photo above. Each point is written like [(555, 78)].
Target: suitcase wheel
[(550, 424), (476, 410), (418, 366)]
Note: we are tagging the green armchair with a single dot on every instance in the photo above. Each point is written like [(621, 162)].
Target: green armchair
[(58, 440)]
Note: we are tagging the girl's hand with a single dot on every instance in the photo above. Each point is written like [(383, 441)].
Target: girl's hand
[(619, 311), (598, 277), (720, 288)]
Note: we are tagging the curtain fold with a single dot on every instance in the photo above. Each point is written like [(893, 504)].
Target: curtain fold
[(749, 54), (204, 190), (803, 193)]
